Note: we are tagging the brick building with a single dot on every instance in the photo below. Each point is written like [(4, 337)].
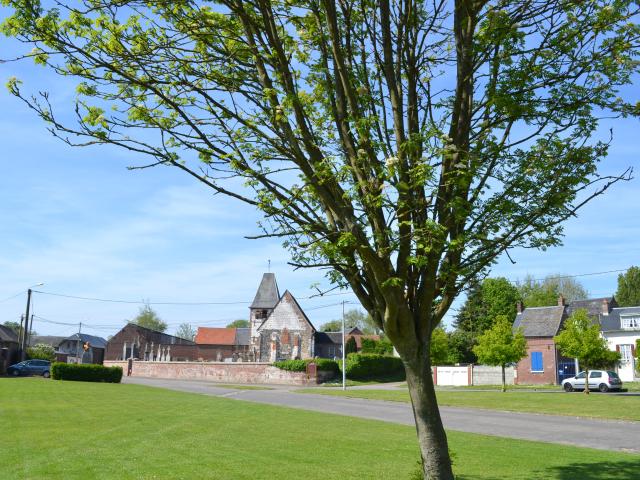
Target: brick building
[(142, 343), (544, 364)]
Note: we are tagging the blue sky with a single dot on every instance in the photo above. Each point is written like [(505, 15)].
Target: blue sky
[(79, 221)]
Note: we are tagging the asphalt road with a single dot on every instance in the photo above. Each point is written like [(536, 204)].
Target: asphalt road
[(601, 434)]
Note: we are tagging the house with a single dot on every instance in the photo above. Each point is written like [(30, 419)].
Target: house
[(74, 345), (223, 344), (621, 328), (135, 341), (544, 364), (329, 344), (9, 348), (52, 340)]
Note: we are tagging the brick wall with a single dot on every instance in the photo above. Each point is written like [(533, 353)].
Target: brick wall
[(244, 373), (524, 375)]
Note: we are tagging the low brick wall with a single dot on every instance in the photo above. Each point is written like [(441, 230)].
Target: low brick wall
[(239, 372)]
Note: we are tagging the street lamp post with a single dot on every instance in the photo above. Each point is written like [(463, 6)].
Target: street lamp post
[(23, 348)]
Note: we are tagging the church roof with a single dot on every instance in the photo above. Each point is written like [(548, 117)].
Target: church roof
[(267, 295), (286, 314)]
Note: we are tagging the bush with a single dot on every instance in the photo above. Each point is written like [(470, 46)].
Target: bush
[(41, 351), (86, 373), (324, 364), (291, 365), (363, 366), (379, 347)]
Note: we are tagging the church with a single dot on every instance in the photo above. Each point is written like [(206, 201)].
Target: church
[(279, 329)]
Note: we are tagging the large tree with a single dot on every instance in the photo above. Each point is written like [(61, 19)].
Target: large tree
[(628, 293), (148, 318), (352, 318), (486, 301), (545, 292), (580, 338), (240, 323), (186, 331), (403, 146)]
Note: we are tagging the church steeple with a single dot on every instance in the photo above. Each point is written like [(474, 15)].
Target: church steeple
[(265, 300)]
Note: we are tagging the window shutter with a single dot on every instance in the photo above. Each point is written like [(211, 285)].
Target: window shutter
[(633, 350), (618, 348)]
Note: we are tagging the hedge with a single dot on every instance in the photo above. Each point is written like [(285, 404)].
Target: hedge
[(86, 372), (323, 364), (362, 366)]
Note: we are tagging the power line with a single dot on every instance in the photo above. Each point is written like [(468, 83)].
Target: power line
[(111, 300), (142, 302), (555, 277), (13, 296)]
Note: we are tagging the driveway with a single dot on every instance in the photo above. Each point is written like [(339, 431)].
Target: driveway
[(599, 434)]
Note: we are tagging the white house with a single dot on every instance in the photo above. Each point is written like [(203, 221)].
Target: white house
[(621, 328)]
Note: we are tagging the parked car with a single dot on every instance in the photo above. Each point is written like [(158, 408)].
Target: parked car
[(603, 380), (31, 367)]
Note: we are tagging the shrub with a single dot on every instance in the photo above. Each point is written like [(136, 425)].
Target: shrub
[(324, 364), (291, 365), (351, 346), (41, 351), (362, 366), (86, 373), (379, 347)]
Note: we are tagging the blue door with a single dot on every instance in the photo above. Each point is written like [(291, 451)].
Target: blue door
[(566, 369)]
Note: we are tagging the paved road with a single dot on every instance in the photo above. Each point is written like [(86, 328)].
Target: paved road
[(600, 434)]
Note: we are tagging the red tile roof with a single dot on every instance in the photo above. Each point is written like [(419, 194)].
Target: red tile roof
[(216, 336)]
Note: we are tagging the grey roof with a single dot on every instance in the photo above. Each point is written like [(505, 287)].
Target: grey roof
[(8, 335), (540, 321), (267, 295), (329, 337), (52, 340), (593, 305), (243, 336), (96, 342), (611, 322)]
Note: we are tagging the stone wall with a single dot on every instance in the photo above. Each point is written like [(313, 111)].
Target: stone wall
[(487, 375), (239, 372)]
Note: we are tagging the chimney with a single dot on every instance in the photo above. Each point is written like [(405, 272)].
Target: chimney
[(561, 301), (605, 306), (519, 306)]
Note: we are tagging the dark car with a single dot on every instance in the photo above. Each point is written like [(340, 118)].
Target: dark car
[(31, 367)]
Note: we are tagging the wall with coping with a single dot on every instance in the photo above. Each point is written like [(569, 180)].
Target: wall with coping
[(223, 372), (487, 375)]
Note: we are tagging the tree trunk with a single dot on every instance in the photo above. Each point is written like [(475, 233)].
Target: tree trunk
[(586, 381), (431, 435), (504, 383)]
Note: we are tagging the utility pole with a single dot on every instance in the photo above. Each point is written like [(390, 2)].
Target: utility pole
[(78, 342), (23, 353), (30, 330), (20, 331), (344, 361)]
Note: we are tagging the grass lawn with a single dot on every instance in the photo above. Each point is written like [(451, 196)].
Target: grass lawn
[(73, 430), (596, 405)]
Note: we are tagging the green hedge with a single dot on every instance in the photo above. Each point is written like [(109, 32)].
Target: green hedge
[(364, 366), (86, 372), (380, 347), (323, 364)]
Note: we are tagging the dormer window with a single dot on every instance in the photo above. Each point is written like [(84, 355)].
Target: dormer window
[(631, 322)]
